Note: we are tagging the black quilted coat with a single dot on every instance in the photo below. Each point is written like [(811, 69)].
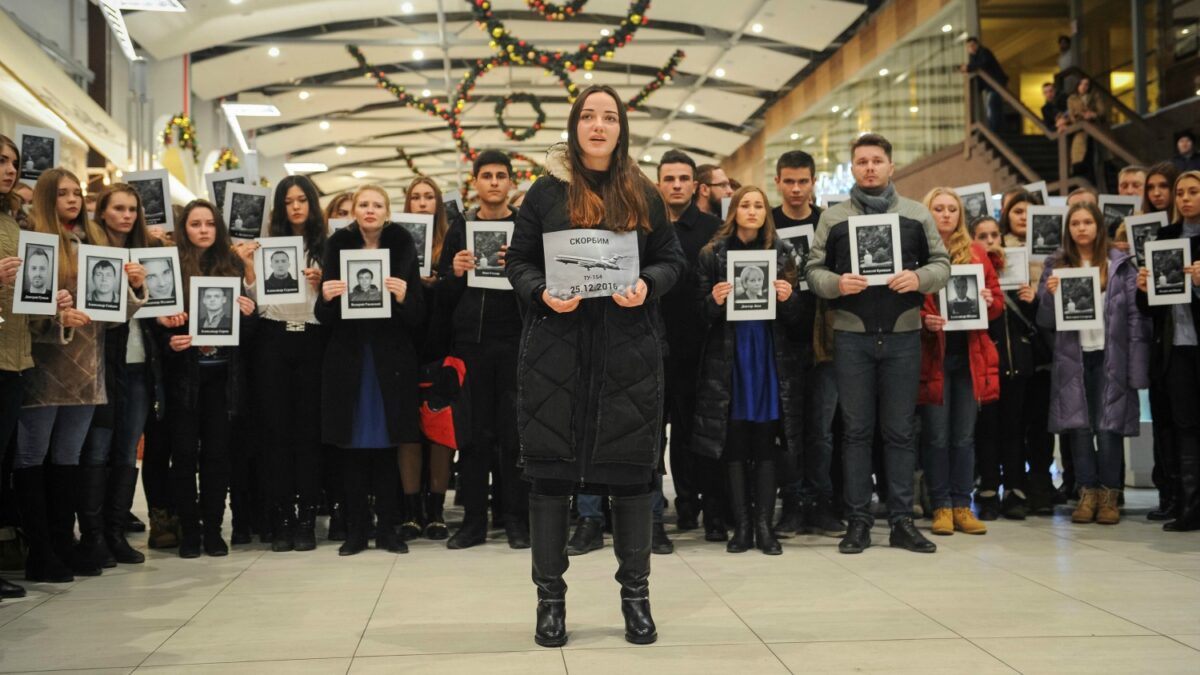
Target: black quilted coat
[(590, 382), (717, 360)]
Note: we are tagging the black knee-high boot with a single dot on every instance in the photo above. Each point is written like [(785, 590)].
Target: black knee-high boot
[(42, 564), (62, 504), (122, 484), (743, 534), (549, 521), (764, 507), (92, 548), (633, 520)]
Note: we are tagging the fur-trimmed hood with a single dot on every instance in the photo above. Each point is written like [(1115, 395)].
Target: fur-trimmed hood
[(557, 164)]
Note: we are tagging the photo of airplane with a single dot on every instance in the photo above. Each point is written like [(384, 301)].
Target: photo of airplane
[(611, 263)]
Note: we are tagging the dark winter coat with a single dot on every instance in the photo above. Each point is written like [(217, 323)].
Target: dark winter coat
[(1126, 354), (395, 355), (478, 313), (682, 315), (590, 382), (181, 370), (1163, 316), (718, 357)]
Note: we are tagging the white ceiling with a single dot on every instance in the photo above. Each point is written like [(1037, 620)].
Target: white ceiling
[(231, 43)]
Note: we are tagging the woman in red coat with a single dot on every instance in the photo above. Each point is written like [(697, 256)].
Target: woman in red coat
[(959, 371)]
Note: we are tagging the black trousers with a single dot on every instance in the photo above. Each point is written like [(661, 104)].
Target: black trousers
[(11, 390), (1166, 464), (679, 403), (1039, 442), (1184, 393), (200, 440), (156, 463), (287, 368), (750, 441), (367, 472), (492, 387), (548, 487), (1000, 437)]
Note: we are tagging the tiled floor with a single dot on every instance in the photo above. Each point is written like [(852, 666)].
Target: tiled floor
[(1042, 596)]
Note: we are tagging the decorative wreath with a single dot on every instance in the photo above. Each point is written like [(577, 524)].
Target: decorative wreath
[(182, 124), (528, 132), (226, 161), (555, 12)]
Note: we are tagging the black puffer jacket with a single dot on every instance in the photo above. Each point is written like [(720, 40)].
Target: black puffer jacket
[(590, 382), (718, 358)]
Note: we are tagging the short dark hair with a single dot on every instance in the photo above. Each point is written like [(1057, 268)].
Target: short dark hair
[(796, 159), (704, 173), (101, 264), (973, 39), (364, 270), (875, 140), (676, 157), (1186, 133), (491, 157)]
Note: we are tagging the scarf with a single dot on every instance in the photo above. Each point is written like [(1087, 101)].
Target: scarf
[(874, 200)]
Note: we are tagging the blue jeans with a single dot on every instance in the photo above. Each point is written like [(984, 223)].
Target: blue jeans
[(878, 373), (54, 430), (590, 506), (1096, 464), (948, 437), (995, 111), (820, 402), (119, 443)]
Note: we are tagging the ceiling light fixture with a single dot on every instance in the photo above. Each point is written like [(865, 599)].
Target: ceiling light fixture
[(666, 136), (913, 109), (795, 137), (689, 108), (947, 28), (116, 23), (587, 76), (564, 135), (426, 93), (360, 174), (341, 150), (719, 72), (235, 110), (647, 158), (324, 125), (418, 55), (407, 8), (294, 168), (757, 28), (235, 2), (273, 52), (304, 95), (605, 32), (883, 72), (152, 5), (835, 108)]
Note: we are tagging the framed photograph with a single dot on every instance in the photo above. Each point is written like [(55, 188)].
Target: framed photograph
[(725, 201), (1143, 229), (1116, 208), (590, 263), (216, 182), (278, 268), (420, 226), (1168, 283), (875, 247), (752, 274), (960, 302), (213, 313), (1041, 196), (485, 238), (829, 200), (1056, 200), (364, 272), (164, 283), (245, 210), (1044, 232), (41, 150), (1016, 269), (37, 282), (455, 213), (977, 201), (103, 284), (154, 187), (800, 237), (1077, 303), (336, 224)]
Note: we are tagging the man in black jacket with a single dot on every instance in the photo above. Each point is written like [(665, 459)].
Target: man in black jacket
[(487, 332), (983, 60)]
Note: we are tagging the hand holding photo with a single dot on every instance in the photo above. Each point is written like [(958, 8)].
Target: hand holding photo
[(1168, 283), (103, 284), (590, 263), (800, 237), (753, 275), (40, 151), (213, 313), (365, 296), (1143, 229), (485, 239), (420, 226), (961, 302), (1116, 208), (875, 247), (977, 201), (245, 210), (1077, 303), (37, 282), (1016, 269), (154, 187), (278, 262), (164, 284), (1044, 234)]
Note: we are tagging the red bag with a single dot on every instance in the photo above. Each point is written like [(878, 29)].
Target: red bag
[(445, 406)]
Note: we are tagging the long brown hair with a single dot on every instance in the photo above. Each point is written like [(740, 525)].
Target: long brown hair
[(767, 235), (1194, 175), (217, 260), (1169, 171), (1018, 197), (440, 222), (45, 219), (332, 207), (9, 201), (1072, 255), (139, 236), (959, 243), (623, 207)]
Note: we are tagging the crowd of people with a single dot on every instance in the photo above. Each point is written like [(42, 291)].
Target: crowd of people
[(852, 403)]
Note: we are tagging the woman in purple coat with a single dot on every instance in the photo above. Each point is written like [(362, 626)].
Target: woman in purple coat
[(1096, 373)]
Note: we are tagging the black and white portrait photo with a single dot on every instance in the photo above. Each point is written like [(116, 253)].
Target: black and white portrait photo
[(800, 237), (283, 278), (1045, 231), (454, 210), (103, 283), (366, 296), (164, 285), (154, 187), (485, 240), (1015, 273), (1041, 195), (40, 150), (875, 247), (1116, 208), (213, 311), (1078, 301), (1168, 283), (977, 201), (216, 311), (160, 281), (1141, 230), (38, 274), (365, 288), (419, 225), (753, 275), (750, 285), (960, 302), (245, 210), (1168, 271), (217, 182)]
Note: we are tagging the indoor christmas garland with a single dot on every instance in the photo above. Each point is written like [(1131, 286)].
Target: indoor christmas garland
[(528, 132), (555, 12), (226, 161), (182, 124)]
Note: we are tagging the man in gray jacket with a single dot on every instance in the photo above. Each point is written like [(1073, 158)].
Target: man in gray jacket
[(877, 342)]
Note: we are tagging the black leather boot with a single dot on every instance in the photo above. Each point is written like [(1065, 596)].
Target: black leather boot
[(764, 508), (42, 564), (358, 518), (588, 537), (1188, 496), (743, 535), (190, 535), (63, 500), (548, 525), (305, 534), (122, 484), (435, 528), (472, 533), (714, 521), (414, 509), (633, 521), (337, 522), (92, 481), (283, 521), (516, 530)]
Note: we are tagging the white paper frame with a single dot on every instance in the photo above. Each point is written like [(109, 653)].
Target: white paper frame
[(158, 181), (1062, 323), (892, 221), (1016, 269), (832, 199), (30, 176), (87, 254), (199, 339), (222, 179), (982, 189), (153, 308), (351, 260), (474, 279), (25, 240), (294, 246), (1135, 224), (975, 271), (1132, 203), (336, 224), (790, 234), (1040, 189), (409, 221), (1153, 296), (232, 190), (1036, 251), (738, 259), (725, 202)]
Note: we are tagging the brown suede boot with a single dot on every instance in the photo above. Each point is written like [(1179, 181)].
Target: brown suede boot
[(966, 522), (164, 530), (1109, 512), (1089, 501), (943, 521)]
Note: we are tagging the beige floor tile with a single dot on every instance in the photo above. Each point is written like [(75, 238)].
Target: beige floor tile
[(293, 667), (919, 657), (1192, 641), (312, 575), (543, 662), (699, 660), (1162, 601), (83, 671), (1063, 656)]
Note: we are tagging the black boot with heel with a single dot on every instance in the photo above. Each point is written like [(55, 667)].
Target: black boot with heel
[(764, 508), (549, 520), (743, 535), (633, 524)]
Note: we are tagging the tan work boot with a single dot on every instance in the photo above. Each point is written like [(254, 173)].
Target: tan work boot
[(943, 522), (1109, 513), (1089, 500), (965, 521), (164, 530)]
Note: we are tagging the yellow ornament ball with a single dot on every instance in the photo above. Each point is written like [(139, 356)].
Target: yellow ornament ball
[(589, 65)]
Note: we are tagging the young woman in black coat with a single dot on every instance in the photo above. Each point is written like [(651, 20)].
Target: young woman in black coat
[(369, 403), (590, 382), (749, 375)]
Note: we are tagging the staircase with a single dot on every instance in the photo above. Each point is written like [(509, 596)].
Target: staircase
[(1039, 152)]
